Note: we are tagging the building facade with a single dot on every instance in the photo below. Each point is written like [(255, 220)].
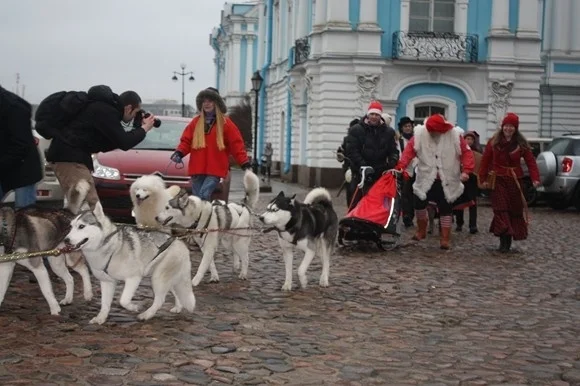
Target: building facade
[(324, 60)]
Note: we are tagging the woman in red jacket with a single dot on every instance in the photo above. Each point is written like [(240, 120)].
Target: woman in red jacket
[(209, 139), (502, 156)]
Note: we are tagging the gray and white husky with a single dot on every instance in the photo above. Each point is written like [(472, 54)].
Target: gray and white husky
[(311, 226), (234, 219), (35, 229), (126, 253)]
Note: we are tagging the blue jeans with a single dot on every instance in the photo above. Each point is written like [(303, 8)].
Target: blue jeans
[(203, 186), (25, 196)]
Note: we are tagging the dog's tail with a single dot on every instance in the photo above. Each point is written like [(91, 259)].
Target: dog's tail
[(77, 196), (252, 188), (318, 196)]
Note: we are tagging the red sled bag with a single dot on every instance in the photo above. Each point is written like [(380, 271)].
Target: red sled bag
[(381, 205)]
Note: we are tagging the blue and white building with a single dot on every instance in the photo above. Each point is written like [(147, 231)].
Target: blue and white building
[(324, 60)]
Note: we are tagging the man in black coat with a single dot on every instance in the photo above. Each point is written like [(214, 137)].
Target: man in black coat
[(19, 158), (97, 128), (370, 143)]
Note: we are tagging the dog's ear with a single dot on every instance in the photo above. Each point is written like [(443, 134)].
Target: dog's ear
[(173, 191), (293, 200), (281, 194), (183, 198), (98, 212)]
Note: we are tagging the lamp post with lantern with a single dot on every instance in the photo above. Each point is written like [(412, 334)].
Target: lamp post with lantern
[(183, 74)]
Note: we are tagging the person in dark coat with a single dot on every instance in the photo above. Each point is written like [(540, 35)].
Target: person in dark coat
[(370, 143), (19, 158), (97, 128), (340, 157)]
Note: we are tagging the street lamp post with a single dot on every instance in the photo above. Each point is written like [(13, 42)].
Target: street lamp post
[(256, 86), (191, 79)]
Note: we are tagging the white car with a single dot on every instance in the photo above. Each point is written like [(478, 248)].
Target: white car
[(48, 190)]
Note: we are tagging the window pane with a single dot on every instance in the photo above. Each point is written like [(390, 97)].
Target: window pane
[(444, 25), (444, 9), (418, 25), (420, 8), (560, 146), (421, 112), (437, 110)]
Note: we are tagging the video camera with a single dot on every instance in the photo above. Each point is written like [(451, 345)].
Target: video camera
[(137, 121)]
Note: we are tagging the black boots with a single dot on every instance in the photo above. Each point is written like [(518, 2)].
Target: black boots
[(505, 243)]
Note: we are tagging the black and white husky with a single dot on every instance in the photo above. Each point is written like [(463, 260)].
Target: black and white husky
[(126, 253), (311, 226), (234, 221)]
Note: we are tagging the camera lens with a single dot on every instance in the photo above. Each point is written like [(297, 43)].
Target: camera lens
[(156, 122)]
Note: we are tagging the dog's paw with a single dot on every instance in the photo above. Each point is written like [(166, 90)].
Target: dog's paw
[(243, 275), (323, 282), (55, 310), (145, 315), (88, 296), (176, 309), (214, 279), (287, 287), (303, 281), (67, 300), (132, 307), (99, 319)]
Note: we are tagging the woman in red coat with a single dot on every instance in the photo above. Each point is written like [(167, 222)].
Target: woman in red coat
[(209, 139), (502, 156)]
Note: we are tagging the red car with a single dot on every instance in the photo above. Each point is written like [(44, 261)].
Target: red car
[(116, 170)]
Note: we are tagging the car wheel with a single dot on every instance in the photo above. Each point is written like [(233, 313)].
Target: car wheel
[(558, 203), (576, 199), (530, 193)]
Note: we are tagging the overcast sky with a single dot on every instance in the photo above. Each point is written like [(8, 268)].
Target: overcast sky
[(126, 44)]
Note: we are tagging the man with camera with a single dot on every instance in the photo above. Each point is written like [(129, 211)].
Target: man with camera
[(96, 128)]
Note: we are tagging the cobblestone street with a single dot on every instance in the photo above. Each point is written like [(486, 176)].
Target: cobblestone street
[(413, 316)]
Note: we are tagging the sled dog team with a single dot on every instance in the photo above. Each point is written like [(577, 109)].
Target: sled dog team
[(124, 253)]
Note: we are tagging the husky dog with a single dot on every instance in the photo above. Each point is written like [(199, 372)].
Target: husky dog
[(126, 253), (194, 213), (149, 198), (311, 226), (34, 229)]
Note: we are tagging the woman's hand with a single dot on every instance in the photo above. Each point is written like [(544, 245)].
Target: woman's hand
[(485, 185), (536, 184)]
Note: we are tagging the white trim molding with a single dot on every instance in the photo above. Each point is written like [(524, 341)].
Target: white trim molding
[(449, 104)]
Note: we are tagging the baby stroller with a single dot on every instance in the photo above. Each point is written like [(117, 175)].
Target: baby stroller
[(378, 212)]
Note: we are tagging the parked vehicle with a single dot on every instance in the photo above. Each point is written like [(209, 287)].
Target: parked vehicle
[(532, 194), (116, 170), (560, 172), (48, 190)]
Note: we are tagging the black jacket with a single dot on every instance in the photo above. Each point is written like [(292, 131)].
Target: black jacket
[(96, 129), (371, 146), (19, 158)]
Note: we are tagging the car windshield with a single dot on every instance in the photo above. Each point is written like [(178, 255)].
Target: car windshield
[(165, 137)]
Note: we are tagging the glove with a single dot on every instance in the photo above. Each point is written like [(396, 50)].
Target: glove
[(339, 157), (246, 166), (177, 157)]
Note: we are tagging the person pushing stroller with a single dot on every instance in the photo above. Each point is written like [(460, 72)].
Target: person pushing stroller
[(370, 143)]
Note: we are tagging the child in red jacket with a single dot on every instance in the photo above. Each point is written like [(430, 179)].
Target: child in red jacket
[(209, 139)]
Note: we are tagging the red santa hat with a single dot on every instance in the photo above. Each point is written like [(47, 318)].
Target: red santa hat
[(511, 119), (436, 123), (375, 107)]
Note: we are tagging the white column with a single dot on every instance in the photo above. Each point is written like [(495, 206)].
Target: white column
[(405, 14), (250, 41), (237, 44), (368, 15), (261, 34), (575, 26), (337, 14), (561, 25), (319, 13), (461, 7), (302, 19), (500, 11), (528, 19)]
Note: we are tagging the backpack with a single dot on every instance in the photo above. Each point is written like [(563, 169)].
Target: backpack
[(57, 110)]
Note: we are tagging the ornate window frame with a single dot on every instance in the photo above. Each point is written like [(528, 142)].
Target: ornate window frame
[(449, 104)]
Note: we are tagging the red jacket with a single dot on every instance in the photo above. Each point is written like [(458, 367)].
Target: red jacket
[(210, 160), (501, 161)]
